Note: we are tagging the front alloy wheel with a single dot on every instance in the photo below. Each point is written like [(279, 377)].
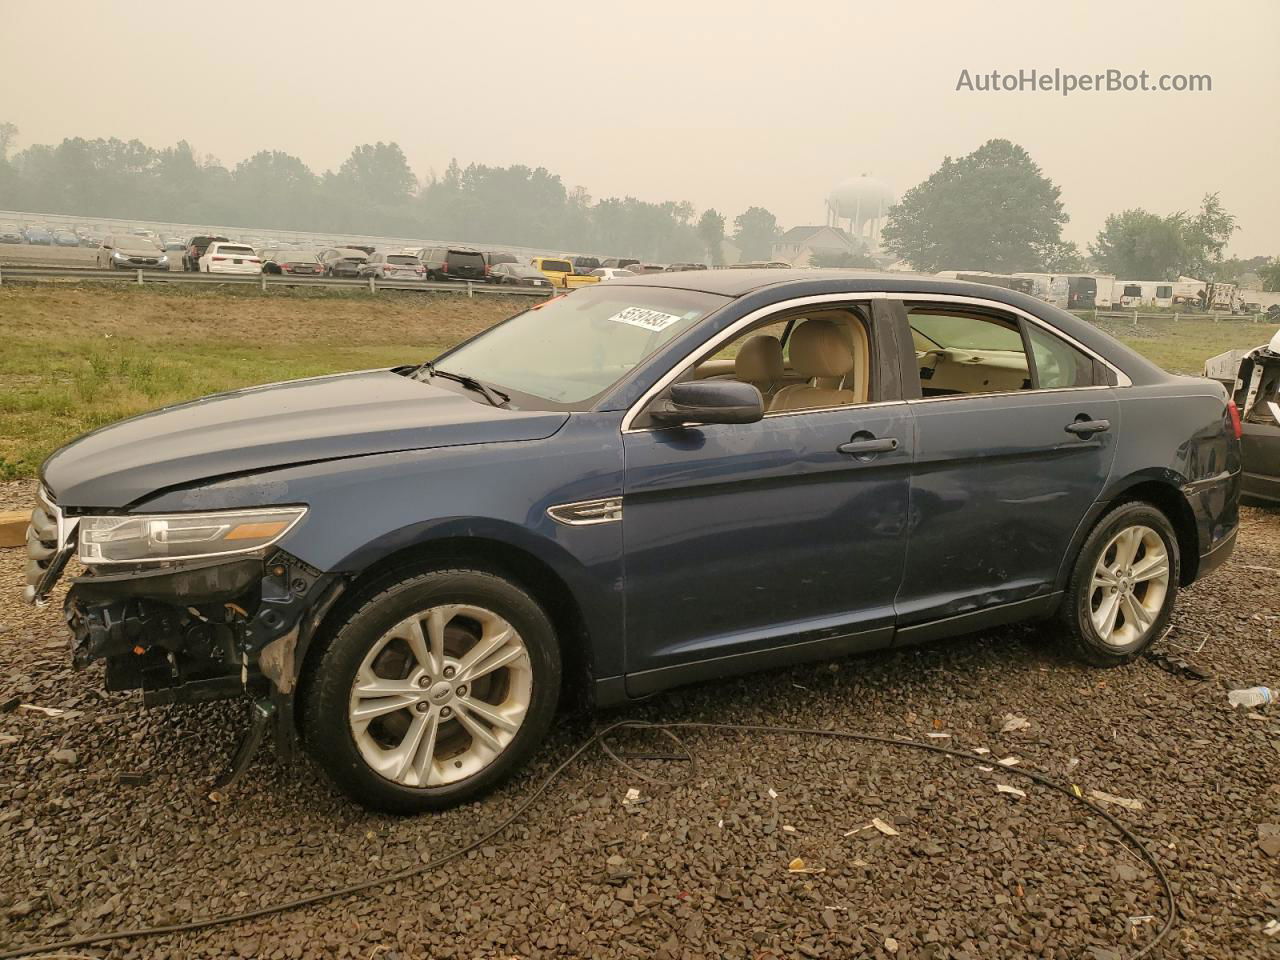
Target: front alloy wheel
[(440, 695), (432, 690)]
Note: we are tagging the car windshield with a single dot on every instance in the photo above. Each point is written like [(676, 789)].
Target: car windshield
[(571, 349), (557, 266)]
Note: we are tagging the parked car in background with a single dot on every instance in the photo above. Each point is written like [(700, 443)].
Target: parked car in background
[(642, 268), (65, 238), (559, 270), (227, 257), (392, 266), (1253, 379), (406, 568), (619, 262), (681, 267), (454, 263), (126, 251), (300, 263), (584, 265), (342, 261), (38, 237), (613, 273), (519, 275), (11, 233), (89, 239), (195, 249), (174, 244)]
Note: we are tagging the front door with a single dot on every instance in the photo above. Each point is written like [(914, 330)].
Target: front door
[(751, 545), (1014, 444)]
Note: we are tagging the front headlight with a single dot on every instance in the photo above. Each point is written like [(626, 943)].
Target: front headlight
[(183, 536), (117, 255)]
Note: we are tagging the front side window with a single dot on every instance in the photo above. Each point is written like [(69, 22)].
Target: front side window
[(801, 360), (567, 352)]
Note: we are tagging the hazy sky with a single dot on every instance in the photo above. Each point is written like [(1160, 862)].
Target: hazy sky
[(725, 104)]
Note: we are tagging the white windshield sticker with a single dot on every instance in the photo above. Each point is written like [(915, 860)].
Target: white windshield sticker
[(642, 317)]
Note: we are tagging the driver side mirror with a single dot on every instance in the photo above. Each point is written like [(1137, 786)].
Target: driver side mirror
[(709, 401)]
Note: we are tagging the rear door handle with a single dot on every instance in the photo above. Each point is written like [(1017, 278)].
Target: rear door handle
[(1087, 428), (857, 448)]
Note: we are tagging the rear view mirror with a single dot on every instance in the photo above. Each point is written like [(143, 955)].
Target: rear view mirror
[(709, 401)]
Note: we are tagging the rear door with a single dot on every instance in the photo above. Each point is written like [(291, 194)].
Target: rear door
[(1015, 437)]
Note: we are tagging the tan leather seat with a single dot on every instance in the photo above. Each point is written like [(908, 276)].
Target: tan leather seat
[(759, 363), (818, 350)]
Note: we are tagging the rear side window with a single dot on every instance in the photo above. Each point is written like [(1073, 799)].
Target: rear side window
[(234, 250), (961, 352)]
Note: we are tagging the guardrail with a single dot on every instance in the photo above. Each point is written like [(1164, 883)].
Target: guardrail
[(263, 281), (1134, 317)]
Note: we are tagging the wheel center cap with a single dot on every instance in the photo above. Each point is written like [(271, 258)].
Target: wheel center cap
[(440, 692)]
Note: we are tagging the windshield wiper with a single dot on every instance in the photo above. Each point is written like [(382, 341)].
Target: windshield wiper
[(495, 397)]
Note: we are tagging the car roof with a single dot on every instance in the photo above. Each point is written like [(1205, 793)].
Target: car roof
[(775, 285)]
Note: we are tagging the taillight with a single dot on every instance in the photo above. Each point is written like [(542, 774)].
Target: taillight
[(254, 260), (419, 270), (217, 258), (386, 268), (286, 268), (1235, 419)]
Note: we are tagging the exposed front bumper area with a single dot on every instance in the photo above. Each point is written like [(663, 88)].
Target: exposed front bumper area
[(198, 632)]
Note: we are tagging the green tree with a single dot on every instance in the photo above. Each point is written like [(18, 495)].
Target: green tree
[(842, 258), (711, 233), (1270, 275), (754, 231), (8, 137), (990, 210), (1138, 245), (377, 173)]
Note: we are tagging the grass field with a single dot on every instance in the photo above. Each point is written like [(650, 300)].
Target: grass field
[(74, 357)]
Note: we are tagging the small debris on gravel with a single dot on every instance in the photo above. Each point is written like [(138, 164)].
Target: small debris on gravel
[(974, 874), (1013, 723), (1111, 799), (68, 757)]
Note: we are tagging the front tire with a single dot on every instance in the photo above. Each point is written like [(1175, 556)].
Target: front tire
[(433, 691), (1124, 585)]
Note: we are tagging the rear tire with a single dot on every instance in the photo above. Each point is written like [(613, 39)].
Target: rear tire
[(1123, 587), (402, 720)]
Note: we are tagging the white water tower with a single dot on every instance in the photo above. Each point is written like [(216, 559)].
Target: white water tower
[(859, 204)]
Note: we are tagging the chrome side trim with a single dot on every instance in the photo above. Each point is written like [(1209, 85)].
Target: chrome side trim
[(1122, 378), (586, 513)]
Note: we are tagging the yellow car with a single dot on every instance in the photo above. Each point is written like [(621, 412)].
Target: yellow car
[(559, 270)]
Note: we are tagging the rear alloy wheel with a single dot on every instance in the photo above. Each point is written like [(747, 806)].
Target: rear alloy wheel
[(433, 691), (1123, 588)]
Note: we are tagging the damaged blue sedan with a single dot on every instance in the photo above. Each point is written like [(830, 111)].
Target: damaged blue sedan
[(641, 484)]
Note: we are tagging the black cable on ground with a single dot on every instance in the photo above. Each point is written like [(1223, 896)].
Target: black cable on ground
[(601, 738)]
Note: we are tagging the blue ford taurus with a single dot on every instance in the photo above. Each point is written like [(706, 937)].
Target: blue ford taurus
[(638, 485)]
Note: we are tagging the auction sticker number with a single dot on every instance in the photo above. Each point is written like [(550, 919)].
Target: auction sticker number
[(643, 317)]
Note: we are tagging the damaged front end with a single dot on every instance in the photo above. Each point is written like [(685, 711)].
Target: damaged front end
[(185, 607)]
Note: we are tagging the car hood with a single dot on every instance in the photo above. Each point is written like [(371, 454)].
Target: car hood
[(278, 425)]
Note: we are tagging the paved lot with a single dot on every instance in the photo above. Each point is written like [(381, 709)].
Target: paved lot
[(700, 869)]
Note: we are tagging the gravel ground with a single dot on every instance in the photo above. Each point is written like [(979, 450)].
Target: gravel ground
[(699, 869)]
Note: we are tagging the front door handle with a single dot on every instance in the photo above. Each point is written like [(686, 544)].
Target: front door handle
[(860, 448), (1087, 428)]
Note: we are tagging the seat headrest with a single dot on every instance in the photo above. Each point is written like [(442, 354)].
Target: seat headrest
[(759, 360), (819, 349)]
